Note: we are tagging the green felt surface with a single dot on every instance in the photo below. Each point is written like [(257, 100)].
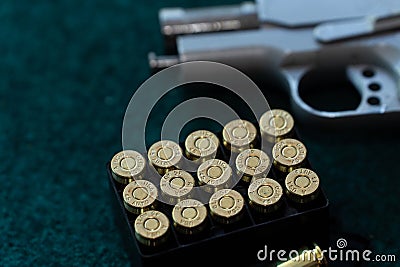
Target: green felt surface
[(68, 69)]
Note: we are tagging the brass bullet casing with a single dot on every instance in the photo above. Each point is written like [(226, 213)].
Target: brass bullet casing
[(252, 163), (265, 195), (214, 173), (289, 154), (151, 228), (139, 196), (226, 206), (239, 135), (201, 145), (308, 258), (165, 155), (176, 184), (189, 216), (276, 125), (128, 165), (302, 185)]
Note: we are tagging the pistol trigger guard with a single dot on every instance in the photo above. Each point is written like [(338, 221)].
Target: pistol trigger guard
[(378, 88), (293, 77)]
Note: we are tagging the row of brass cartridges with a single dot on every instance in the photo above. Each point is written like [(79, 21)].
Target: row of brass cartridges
[(301, 185), (288, 154), (128, 167), (226, 206), (238, 136)]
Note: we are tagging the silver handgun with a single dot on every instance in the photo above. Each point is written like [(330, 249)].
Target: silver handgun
[(308, 46)]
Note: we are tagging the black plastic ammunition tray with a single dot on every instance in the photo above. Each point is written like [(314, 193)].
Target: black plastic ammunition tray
[(294, 226)]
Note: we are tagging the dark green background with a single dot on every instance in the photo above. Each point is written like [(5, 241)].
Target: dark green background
[(67, 72)]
